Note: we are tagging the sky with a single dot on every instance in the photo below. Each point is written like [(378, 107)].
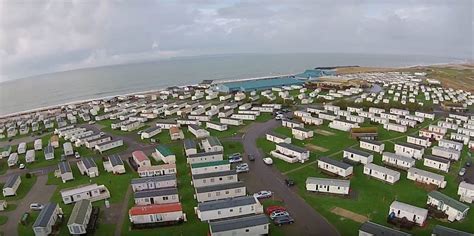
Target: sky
[(40, 36)]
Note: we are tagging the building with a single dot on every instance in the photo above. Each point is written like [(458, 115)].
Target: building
[(257, 84), (343, 125), (3, 205), (355, 155), (49, 152), (165, 169), (409, 150), (411, 213), (54, 141), (301, 133), (335, 167), (11, 186), (216, 126), (220, 191), (190, 147), (164, 154), (154, 182), (64, 171), (87, 166), (381, 173), (419, 140), (277, 138), (140, 159), (38, 144), (372, 145), (12, 159), (231, 121), (466, 192), (228, 208), (372, 229), (438, 163), (440, 230), (150, 132), (47, 218), (157, 213), (291, 124), (205, 157), (114, 164), (450, 144), (398, 161), (30, 156), (395, 127), (290, 153), (67, 147), (432, 135), (209, 167), (156, 196), (426, 177), (176, 133), (6, 150), (454, 209), (21, 148), (93, 192), (447, 153), (214, 178), (322, 185), (79, 218), (198, 132), (246, 225), (108, 145), (212, 144)]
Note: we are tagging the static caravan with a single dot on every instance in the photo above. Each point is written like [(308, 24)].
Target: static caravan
[(461, 137), (290, 153), (231, 121), (157, 213), (406, 122), (277, 138), (150, 132), (372, 229), (205, 157), (243, 116), (11, 186), (311, 120), (469, 132), (246, 225), (164, 154), (343, 125), (92, 192), (355, 155), (21, 148), (451, 207), (419, 140), (409, 150), (165, 169), (38, 145), (46, 220), (87, 166), (156, 196), (154, 182), (301, 133), (216, 126), (213, 178), (440, 230), (228, 208), (64, 171), (411, 213), (466, 192), (167, 124), (220, 191), (448, 153), (209, 167), (30, 156), (381, 173), (93, 142), (438, 129), (212, 144), (323, 185), (438, 163), (108, 145), (6, 151), (398, 161), (12, 159), (140, 159), (450, 144), (372, 145), (430, 134), (114, 164), (430, 116), (399, 112), (198, 131), (335, 167), (67, 147), (190, 147), (395, 127), (80, 216), (291, 124), (48, 152), (426, 177)]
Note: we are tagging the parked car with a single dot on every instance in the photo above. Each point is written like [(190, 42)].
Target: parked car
[(36, 206), (63, 157), (235, 159), (289, 182), (462, 172), (22, 166), (102, 133), (235, 155), (268, 160), (277, 214), (279, 117), (91, 122), (77, 155), (269, 210), (263, 194), (250, 157), (283, 220), (468, 163), (244, 167)]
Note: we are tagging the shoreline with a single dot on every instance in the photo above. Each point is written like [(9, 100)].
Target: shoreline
[(56, 106)]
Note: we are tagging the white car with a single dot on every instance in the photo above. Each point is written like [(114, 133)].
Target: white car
[(268, 160), (91, 122), (36, 206), (244, 167), (263, 194), (77, 155), (277, 214), (22, 166)]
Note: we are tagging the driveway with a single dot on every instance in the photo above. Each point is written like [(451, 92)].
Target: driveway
[(40, 192), (263, 177)]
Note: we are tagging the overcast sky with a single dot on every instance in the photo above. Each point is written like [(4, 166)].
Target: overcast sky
[(46, 36)]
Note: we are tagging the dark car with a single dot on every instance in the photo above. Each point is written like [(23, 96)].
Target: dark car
[(63, 157), (251, 157), (289, 182), (468, 163), (283, 220)]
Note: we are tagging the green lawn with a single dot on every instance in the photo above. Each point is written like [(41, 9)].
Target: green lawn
[(3, 219), (23, 189)]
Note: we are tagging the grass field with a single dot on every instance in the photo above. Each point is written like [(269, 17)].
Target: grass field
[(23, 189), (372, 197)]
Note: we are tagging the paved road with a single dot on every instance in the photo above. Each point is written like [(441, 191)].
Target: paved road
[(40, 192), (263, 177)]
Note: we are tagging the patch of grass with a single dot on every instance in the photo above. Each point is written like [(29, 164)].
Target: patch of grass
[(3, 219), (23, 189), (26, 230)]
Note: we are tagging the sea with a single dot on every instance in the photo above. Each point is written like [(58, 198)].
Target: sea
[(78, 85)]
